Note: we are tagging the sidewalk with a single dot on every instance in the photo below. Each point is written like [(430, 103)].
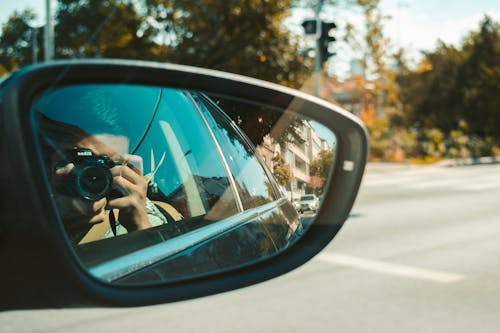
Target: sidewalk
[(393, 166), (469, 161)]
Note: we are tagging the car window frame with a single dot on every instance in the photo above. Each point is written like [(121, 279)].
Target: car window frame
[(139, 259), (244, 140)]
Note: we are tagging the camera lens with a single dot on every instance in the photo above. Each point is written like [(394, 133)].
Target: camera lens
[(93, 182)]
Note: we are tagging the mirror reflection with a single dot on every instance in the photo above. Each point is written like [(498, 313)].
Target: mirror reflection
[(156, 184)]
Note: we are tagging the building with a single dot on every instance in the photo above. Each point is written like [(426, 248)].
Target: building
[(298, 156), (356, 93)]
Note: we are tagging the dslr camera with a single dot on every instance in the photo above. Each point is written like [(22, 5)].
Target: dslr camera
[(91, 178)]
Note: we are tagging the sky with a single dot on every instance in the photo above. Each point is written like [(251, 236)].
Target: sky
[(414, 25), (419, 24)]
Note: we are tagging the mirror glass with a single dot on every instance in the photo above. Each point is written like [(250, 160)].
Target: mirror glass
[(155, 184)]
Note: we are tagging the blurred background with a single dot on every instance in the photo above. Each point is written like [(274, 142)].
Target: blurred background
[(423, 76)]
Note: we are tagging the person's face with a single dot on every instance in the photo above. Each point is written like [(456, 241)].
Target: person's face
[(77, 213)]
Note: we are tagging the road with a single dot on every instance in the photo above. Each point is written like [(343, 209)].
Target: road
[(420, 253)]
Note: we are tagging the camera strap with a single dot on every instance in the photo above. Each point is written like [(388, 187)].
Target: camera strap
[(112, 221)]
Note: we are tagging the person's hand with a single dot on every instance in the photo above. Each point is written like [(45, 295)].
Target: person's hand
[(75, 211), (132, 204)]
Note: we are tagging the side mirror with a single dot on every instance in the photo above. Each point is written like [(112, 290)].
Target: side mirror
[(150, 183)]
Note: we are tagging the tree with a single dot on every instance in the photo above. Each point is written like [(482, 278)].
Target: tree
[(455, 91), (453, 85), (381, 103), (322, 165), (281, 170), (239, 36), (244, 37), (480, 75), (16, 41), (103, 29), (260, 120), (429, 94)]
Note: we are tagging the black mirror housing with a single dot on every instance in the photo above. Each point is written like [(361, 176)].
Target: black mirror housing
[(41, 270)]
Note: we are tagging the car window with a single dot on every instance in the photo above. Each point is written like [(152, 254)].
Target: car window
[(254, 186), (158, 131), (192, 180)]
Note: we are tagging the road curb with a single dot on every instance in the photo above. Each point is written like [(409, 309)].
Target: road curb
[(469, 161), (485, 160)]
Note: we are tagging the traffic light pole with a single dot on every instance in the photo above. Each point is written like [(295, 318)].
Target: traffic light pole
[(317, 58), (49, 32)]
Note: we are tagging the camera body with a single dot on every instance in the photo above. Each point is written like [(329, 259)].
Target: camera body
[(90, 179)]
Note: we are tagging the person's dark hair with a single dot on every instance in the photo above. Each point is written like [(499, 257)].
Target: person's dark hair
[(52, 134)]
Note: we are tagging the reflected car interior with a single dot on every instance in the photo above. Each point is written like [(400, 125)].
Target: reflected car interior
[(223, 209)]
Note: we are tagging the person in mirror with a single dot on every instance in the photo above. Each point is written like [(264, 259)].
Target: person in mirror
[(127, 195)]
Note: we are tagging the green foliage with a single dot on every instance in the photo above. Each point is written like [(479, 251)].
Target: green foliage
[(432, 143), (480, 73), (459, 143), (391, 143), (322, 165), (258, 121), (451, 101), (457, 84), (238, 36), (462, 145), (447, 107), (103, 29), (16, 41), (281, 170)]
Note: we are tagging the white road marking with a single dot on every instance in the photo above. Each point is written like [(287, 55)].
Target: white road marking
[(423, 184), (391, 269)]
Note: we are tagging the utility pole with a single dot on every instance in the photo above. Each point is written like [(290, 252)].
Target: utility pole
[(317, 58), (49, 32)]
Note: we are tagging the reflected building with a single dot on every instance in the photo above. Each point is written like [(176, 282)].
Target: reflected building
[(298, 156)]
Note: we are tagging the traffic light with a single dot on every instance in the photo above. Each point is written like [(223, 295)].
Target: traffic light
[(309, 27), (325, 39)]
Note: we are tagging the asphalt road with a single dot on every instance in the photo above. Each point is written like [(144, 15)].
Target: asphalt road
[(420, 253)]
